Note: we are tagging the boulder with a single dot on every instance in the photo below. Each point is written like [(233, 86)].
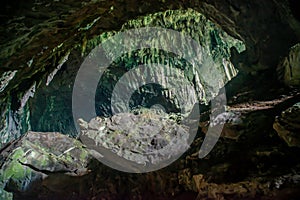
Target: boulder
[(288, 125), (232, 122), (37, 158), (142, 139)]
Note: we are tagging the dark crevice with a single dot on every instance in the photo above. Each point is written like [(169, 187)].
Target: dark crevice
[(47, 172)]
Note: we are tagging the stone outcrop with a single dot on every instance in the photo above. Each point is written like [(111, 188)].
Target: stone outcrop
[(232, 124), (205, 189), (41, 159), (289, 67), (147, 137), (288, 125)]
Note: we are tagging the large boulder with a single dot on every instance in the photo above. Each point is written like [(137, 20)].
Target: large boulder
[(38, 160), (141, 140), (288, 125)]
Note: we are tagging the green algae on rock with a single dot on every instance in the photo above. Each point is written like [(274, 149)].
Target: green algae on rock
[(216, 44), (36, 156)]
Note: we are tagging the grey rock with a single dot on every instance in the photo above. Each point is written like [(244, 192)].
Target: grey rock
[(141, 136)]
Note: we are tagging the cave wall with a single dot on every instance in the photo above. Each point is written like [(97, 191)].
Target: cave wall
[(36, 37)]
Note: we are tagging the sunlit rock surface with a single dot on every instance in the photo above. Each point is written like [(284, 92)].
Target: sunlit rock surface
[(213, 73), (144, 136)]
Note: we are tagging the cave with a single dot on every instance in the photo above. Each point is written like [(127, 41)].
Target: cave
[(159, 99)]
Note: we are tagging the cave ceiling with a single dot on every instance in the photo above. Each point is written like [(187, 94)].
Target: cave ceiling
[(32, 33)]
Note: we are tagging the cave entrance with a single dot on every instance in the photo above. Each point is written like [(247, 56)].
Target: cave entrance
[(51, 108)]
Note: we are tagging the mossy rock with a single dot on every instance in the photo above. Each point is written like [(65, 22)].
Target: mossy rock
[(37, 156)]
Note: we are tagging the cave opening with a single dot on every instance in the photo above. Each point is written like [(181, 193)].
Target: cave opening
[(56, 97)]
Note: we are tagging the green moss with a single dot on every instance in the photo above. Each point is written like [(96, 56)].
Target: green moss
[(5, 195), (212, 38), (84, 155), (14, 171), (14, 168)]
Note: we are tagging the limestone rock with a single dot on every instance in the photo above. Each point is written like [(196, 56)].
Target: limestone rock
[(142, 136), (232, 121), (33, 160), (288, 125)]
